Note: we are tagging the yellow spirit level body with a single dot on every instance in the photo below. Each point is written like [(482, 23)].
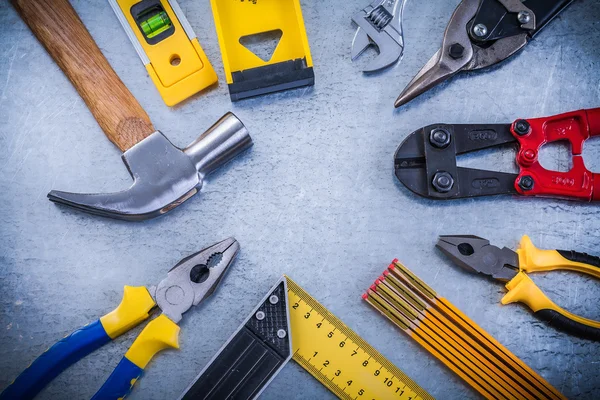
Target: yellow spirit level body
[(168, 47)]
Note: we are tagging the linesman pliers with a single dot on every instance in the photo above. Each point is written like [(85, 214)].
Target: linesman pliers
[(476, 255), (187, 284), (426, 161), (482, 33)]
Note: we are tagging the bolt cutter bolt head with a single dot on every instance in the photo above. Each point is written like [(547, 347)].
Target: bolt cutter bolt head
[(522, 127), (181, 289), (443, 182), (440, 138), (526, 183)]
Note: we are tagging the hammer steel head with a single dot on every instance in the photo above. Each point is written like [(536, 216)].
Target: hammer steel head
[(164, 176)]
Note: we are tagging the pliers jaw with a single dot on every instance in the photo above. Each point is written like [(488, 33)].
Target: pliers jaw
[(477, 255), (195, 278)]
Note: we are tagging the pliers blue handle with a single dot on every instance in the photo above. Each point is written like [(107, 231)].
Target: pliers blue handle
[(194, 279), (134, 309)]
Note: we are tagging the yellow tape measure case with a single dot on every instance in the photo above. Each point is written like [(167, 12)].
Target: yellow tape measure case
[(248, 75)]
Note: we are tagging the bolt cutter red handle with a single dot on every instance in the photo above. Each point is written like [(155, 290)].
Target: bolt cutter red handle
[(534, 180)]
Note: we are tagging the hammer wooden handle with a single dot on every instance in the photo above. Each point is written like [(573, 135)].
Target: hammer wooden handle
[(59, 29)]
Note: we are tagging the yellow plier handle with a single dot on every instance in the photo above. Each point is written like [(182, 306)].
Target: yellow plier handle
[(522, 289), (532, 259)]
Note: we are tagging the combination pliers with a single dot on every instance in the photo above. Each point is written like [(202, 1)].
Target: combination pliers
[(477, 255), (482, 33), (187, 284)]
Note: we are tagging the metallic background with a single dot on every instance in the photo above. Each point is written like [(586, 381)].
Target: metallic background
[(315, 198)]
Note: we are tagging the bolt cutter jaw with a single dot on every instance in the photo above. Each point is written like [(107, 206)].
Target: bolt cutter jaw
[(477, 255), (195, 278)]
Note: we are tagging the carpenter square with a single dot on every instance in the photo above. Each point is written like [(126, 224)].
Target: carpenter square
[(164, 176)]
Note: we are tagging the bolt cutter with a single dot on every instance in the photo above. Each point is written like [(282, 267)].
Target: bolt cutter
[(426, 161), (187, 284), (482, 33), (476, 255)]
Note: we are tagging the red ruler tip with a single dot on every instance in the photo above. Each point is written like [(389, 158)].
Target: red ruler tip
[(365, 296), (386, 272), (373, 288), (382, 278)]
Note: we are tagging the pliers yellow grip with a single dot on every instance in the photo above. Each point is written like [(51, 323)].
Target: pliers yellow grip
[(522, 289), (191, 281), (477, 255)]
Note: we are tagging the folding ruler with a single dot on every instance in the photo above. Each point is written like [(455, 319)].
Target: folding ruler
[(290, 65), (167, 45), (289, 323)]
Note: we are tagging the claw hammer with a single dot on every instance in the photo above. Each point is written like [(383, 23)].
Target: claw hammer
[(164, 176)]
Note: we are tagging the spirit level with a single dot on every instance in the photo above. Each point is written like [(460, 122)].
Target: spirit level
[(289, 66), (167, 45), (326, 348)]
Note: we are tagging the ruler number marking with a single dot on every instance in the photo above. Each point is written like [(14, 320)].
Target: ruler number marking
[(326, 358)]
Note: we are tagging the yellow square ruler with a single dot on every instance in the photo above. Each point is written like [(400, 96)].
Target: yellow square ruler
[(167, 45), (288, 323), (290, 64)]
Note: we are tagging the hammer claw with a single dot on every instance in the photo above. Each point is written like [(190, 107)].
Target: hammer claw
[(164, 176)]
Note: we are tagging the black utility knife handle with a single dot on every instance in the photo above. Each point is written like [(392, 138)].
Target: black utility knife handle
[(501, 24)]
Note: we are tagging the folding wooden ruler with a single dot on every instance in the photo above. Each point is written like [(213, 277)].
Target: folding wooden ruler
[(325, 347)]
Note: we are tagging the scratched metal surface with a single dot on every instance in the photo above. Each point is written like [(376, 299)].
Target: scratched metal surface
[(315, 198)]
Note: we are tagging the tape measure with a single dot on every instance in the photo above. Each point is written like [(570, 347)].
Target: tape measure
[(289, 324), (340, 359)]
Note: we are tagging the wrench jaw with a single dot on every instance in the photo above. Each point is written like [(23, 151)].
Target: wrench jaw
[(379, 25)]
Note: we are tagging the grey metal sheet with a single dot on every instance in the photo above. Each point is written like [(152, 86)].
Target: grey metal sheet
[(315, 198)]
